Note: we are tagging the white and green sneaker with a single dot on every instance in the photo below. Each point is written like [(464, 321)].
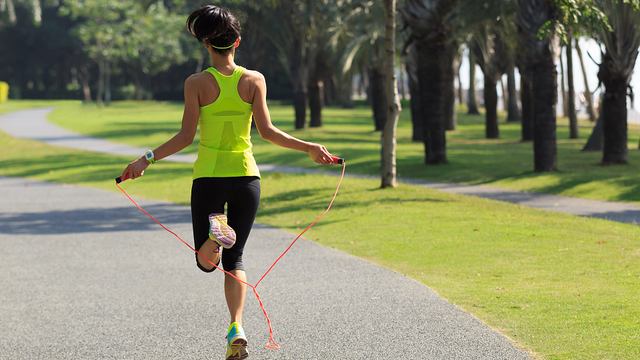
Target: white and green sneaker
[(236, 343)]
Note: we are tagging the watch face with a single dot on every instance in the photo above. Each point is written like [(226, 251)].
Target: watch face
[(148, 155)]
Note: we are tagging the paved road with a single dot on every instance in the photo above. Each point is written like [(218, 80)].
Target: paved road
[(86, 275), (32, 124)]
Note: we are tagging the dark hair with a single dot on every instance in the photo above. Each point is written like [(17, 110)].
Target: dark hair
[(216, 26)]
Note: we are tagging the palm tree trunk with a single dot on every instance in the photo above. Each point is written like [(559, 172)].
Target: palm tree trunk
[(513, 110), (414, 92), (491, 107), (614, 113), (573, 118), (460, 92), (545, 97), (587, 93), (100, 83), (85, 78), (389, 135), (565, 108), (596, 140), (431, 68), (526, 98), (472, 103), (315, 93), (377, 78), (300, 108), (451, 118), (107, 76), (505, 96)]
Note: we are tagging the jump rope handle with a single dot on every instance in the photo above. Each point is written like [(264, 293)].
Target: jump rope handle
[(119, 178), (337, 160)]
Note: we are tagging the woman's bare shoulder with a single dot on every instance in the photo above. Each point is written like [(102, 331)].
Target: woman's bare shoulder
[(254, 76), (198, 78)]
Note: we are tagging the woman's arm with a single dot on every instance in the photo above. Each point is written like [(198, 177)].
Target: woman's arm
[(269, 132), (181, 140)]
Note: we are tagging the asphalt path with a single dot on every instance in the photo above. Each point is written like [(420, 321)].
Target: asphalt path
[(86, 275)]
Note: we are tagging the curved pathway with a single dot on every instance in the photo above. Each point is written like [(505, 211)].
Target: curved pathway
[(86, 275)]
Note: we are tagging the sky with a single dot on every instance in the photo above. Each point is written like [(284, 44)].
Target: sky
[(589, 46)]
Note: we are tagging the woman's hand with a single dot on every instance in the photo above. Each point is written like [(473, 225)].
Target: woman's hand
[(319, 154), (135, 169)]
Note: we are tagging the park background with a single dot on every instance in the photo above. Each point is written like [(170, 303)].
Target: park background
[(560, 286)]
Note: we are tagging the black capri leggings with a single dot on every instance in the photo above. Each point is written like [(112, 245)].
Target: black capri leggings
[(209, 195)]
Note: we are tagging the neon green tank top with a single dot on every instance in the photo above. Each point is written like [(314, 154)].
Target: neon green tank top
[(225, 132)]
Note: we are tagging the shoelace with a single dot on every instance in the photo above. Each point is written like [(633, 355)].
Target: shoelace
[(253, 287)]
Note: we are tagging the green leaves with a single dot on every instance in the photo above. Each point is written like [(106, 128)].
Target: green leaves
[(575, 16)]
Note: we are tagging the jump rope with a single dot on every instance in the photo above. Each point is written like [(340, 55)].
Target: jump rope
[(271, 344)]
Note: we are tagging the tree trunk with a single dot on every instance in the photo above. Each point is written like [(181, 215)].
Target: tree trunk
[(414, 92), (401, 87), (85, 78), (565, 108), (573, 118), (545, 97), (100, 83), (596, 140), (107, 76), (460, 90), (491, 106), (526, 99), (513, 110), (587, 93), (315, 101), (614, 112), (451, 118), (377, 78), (389, 135), (345, 91), (431, 68), (300, 107), (472, 103), (505, 95)]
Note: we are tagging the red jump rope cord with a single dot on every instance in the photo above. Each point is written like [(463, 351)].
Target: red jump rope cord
[(253, 287)]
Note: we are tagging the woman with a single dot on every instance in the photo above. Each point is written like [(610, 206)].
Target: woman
[(222, 100)]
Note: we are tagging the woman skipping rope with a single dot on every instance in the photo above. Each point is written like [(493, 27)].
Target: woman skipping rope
[(222, 99)]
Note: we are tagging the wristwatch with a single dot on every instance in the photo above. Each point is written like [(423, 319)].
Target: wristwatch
[(150, 157)]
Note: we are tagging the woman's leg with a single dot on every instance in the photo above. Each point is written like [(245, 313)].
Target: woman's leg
[(242, 210), (208, 195), (211, 251), (235, 293)]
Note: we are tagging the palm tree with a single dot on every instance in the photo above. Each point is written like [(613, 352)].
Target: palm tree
[(472, 102), (621, 41), (389, 135), (587, 93), (493, 56), (431, 30), (361, 41), (543, 53)]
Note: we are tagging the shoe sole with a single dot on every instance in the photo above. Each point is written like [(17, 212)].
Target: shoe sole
[(238, 350), (216, 233)]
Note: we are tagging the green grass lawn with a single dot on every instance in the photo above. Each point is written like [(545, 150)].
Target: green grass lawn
[(505, 162), (561, 286)]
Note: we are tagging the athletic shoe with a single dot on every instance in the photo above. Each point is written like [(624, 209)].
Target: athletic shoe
[(220, 231), (236, 343)]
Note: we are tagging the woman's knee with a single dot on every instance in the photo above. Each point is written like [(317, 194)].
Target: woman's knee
[(204, 265)]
